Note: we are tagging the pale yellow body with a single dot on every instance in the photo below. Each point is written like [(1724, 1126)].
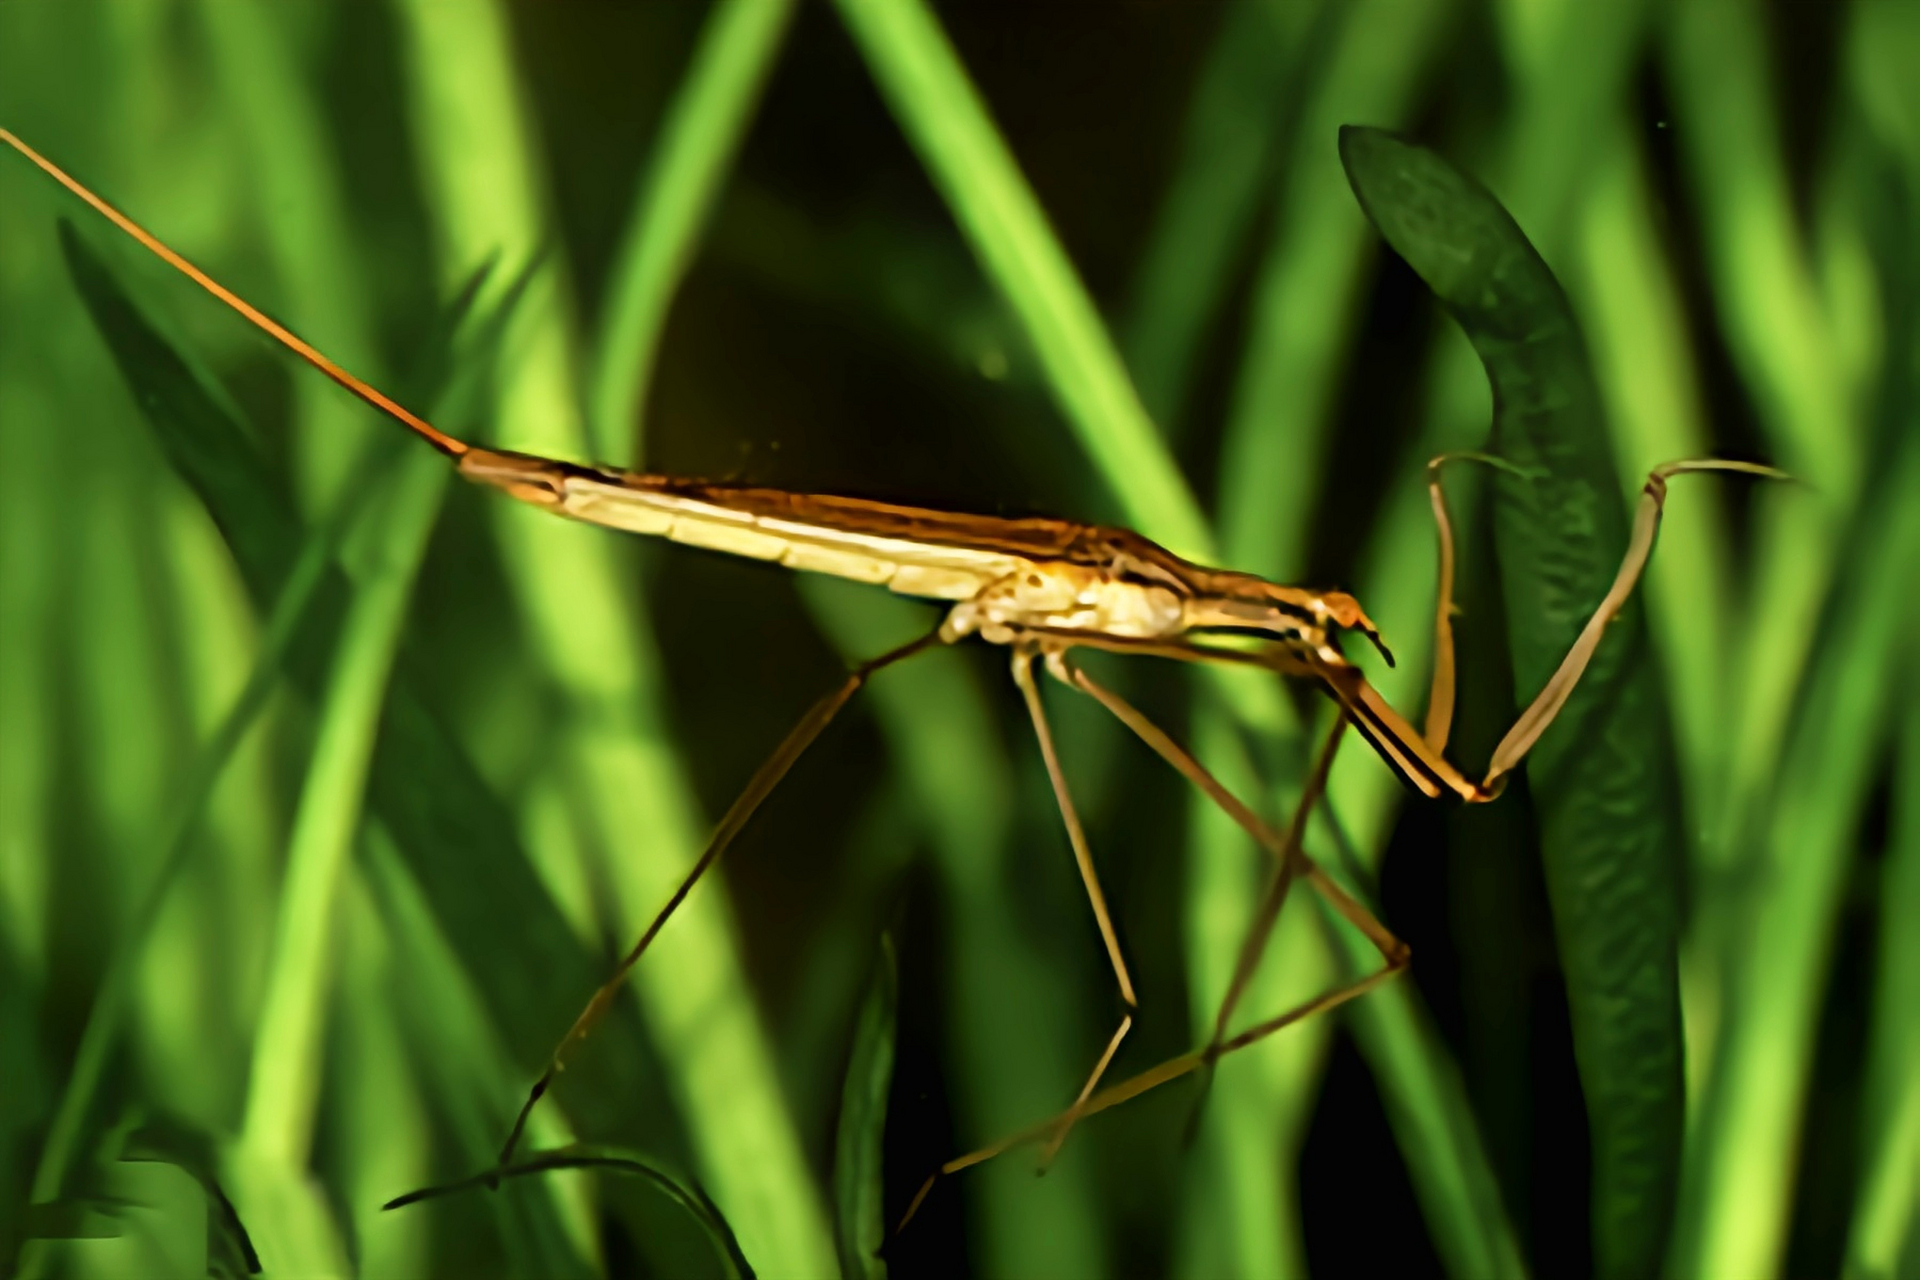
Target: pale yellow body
[(911, 568)]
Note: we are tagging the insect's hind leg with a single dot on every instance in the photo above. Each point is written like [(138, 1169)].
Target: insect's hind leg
[(758, 788), (1290, 862), (1023, 656), (1547, 704)]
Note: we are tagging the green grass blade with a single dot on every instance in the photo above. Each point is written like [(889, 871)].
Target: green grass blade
[(674, 1185), (465, 1068), (1236, 124), (1649, 381), (944, 118), (1609, 823), (1241, 1211), (1308, 289), (276, 1134), (102, 1028), (285, 1081), (860, 1218), (1741, 1187), (702, 131), (573, 586), (457, 838), (1763, 282), (1780, 338), (1886, 1217), (293, 173), (1357, 61), (1426, 1104), (377, 1102)]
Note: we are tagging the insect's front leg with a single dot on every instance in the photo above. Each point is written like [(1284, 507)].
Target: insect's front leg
[(1547, 704)]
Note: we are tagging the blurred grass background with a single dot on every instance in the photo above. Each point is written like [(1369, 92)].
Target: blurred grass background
[(309, 935)]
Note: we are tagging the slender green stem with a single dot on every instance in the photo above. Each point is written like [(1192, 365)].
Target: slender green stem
[(110, 999), (289, 1049), (698, 140), (284, 1086), (1886, 1218)]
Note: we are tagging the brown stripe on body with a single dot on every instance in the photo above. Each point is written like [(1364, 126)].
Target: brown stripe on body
[(1030, 539)]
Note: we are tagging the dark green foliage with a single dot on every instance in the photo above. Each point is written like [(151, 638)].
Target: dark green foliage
[(859, 1219), (1602, 775)]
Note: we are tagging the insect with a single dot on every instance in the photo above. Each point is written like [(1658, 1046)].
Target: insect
[(1041, 589)]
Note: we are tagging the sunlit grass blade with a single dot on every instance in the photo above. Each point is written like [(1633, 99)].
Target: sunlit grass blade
[(1602, 784), (1740, 1190), (944, 118), (479, 166), (506, 929), (1764, 289), (1886, 1218), (104, 1017), (1426, 1104), (1571, 64), (1650, 383), (704, 125), (464, 1068), (1241, 1207), (296, 179), (378, 1108), (284, 1084), (276, 1136), (860, 1223)]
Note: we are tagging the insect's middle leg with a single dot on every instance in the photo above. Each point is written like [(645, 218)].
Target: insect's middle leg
[(1290, 862), (1023, 656), (758, 788)]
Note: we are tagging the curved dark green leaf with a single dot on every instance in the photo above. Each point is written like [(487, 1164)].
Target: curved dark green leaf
[(119, 1193), (229, 1247), (1602, 776), (859, 1212), (679, 1188)]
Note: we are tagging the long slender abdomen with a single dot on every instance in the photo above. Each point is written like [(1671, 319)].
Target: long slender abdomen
[(929, 570)]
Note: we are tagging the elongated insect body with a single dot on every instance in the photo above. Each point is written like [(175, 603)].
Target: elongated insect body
[(1042, 588), (1012, 576)]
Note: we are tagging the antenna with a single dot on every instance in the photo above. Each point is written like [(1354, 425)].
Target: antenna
[(278, 332)]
